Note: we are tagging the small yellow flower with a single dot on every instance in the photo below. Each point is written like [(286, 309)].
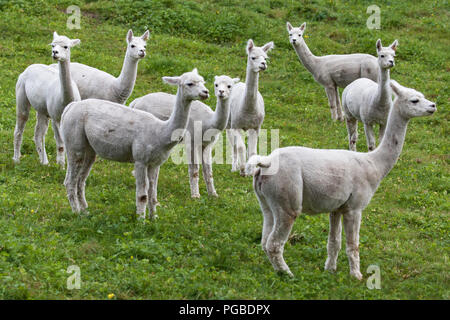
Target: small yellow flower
[(305, 36), (131, 257), (111, 296), (32, 211)]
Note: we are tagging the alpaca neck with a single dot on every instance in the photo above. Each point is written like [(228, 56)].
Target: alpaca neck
[(251, 90), (66, 82), (388, 152), (127, 78), (305, 55), (384, 95), (221, 114), (178, 119)]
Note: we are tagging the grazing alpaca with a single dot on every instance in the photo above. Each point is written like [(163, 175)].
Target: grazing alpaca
[(48, 91), (369, 101), (341, 182), (212, 123), (247, 107), (333, 71), (116, 132), (94, 83)]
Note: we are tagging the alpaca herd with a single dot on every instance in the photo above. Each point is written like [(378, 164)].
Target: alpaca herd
[(89, 118)]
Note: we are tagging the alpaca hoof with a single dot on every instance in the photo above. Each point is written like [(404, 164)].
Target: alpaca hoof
[(330, 268), (285, 273), (153, 216), (16, 160), (358, 275), (195, 196), (44, 163), (213, 194), (243, 174)]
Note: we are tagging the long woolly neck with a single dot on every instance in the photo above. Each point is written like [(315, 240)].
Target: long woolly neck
[(66, 81), (388, 152), (384, 89), (251, 89), (305, 55), (127, 78), (221, 114), (178, 119)]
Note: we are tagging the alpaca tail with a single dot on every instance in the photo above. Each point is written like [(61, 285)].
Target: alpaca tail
[(256, 161), (132, 104)]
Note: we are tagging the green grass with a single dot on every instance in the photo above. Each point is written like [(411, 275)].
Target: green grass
[(209, 248)]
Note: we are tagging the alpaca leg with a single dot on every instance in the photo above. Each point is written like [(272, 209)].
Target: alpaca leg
[(140, 172), (252, 142), (207, 171), (370, 136), (268, 220), (331, 93), (382, 131), (39, 136), (240, 148), (340, 116), (232, 140), (352, 129), (334, 241), (193, 180), (60, 154), (352, 222), (278, 238), (22, 113), (89, 159), (153, 174), (74, 164)]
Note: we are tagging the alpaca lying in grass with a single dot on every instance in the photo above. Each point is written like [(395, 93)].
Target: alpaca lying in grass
[(333, 71), (293, 180), (211, 123), (115, 132), (48, 91), (369, 101)]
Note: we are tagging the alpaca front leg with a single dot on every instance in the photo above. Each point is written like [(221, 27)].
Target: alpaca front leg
[(340, 116), (39, 136), (60, 153), (331, 94), (240, 149), (232, 141), (193, 180), (207, 172), (252, 142), (352, 222), (140, 172), (370, 136), (334, 241), (153, 175)]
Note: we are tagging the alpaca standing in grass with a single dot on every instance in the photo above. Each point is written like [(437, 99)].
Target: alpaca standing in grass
[(48, 91), (115, 132), (211, 123), (333, 71), (369, 101), (94, 83), (341, 182), (247, 107)]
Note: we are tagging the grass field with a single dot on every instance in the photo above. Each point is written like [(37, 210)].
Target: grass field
[(209, 248)]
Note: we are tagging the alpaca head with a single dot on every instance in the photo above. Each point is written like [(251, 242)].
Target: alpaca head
[(386, 55), (295, 34), (137, 45), (223, 86), (191, 84), (257, 56), (61, 47), (410, 102)]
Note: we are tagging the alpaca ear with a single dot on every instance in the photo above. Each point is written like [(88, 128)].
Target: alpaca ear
[(303, 26), (288, 26), (129, 36), (394, 45), (146, 35), (379, 45), (268, 46), (236, 80), (250, 45), (195, 70), (396, 87), (55, 35), (74, 42), (174, 81)]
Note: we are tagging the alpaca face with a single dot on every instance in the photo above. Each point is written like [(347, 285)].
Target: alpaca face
[(137, 46), (412, 103), (386, 55), (191, 83), (295, 34), (61, 47), (223, 86), (257, 56)]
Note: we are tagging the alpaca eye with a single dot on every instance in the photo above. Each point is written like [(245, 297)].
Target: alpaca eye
[(217, 85), (65, 47), (133, 46), (382, 56), (415, 100), (290, 34), (253, 58), (229, 87), (190, 84)]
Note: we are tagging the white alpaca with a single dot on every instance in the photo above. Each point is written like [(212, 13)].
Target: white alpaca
[(369, 101), (203, 122), (48, 91), (94, 83), (247, 107), (341, 182), (333, 71), (115, 132)]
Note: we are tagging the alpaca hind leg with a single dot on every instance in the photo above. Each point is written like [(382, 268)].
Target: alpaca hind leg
[(60, 152), (268, 219), (153, 175), (89, 159), (140, 172), (340, 116), (22, 113), (370, 136), (232, 141), (381, 133), (352, 223), (39, 136), (74, 165), (352, 129), (334, 241)]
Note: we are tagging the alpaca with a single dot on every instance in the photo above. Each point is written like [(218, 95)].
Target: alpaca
[(48, 91), (333, 71), (341, 182), (369, 101), (212, 123), (247, 107), (115, 132), (94, 83)]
